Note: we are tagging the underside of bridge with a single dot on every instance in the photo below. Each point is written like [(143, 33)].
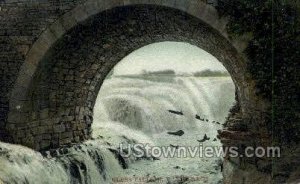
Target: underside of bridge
[(50, 97)]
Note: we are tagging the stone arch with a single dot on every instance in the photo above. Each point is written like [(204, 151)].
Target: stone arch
[(64, 120), (54, 32)]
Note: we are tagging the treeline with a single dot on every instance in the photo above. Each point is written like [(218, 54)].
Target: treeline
[(161, 72), (172, 73), (204, 73), (210, 73)]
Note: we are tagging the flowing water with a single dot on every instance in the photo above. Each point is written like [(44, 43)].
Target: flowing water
[(133, 110), (140, 105)]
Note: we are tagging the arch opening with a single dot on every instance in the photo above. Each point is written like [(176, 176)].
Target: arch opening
[(160, 102)]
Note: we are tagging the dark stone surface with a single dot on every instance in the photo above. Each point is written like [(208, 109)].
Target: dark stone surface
[(21, 22)]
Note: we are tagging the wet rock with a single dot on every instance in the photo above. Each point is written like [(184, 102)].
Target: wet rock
[(205, 138), (176, 112), (178, 133), (118, 156), (174, 146), (199, 118)]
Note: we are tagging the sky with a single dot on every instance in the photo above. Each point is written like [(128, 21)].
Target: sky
[(178, 56)]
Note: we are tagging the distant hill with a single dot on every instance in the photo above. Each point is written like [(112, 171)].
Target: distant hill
[(161, 72), (210, 73)]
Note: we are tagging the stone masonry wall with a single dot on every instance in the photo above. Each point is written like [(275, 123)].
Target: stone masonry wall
[(65, 86), (21, 23)]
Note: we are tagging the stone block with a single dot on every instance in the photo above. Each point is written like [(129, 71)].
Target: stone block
[(196, 8), (210, 16), (46, 137), (92, 7), (44, 114), (80, 14), (169, 3), (17, 118), (132, 2), (45, 144), (68, 118), (182, 5), (57, 29), (28, 141), (33, 124), (65, 141), (108, 4), (66, 135), (20, 92), (59, 128)]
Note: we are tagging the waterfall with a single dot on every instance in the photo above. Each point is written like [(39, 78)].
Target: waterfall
[(131, 110), (142, 103), (88, 163), (23, 165)]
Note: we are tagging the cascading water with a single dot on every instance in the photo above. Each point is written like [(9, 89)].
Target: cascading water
[(133, 110), (139, 109), (142, 105), (86, 163)]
